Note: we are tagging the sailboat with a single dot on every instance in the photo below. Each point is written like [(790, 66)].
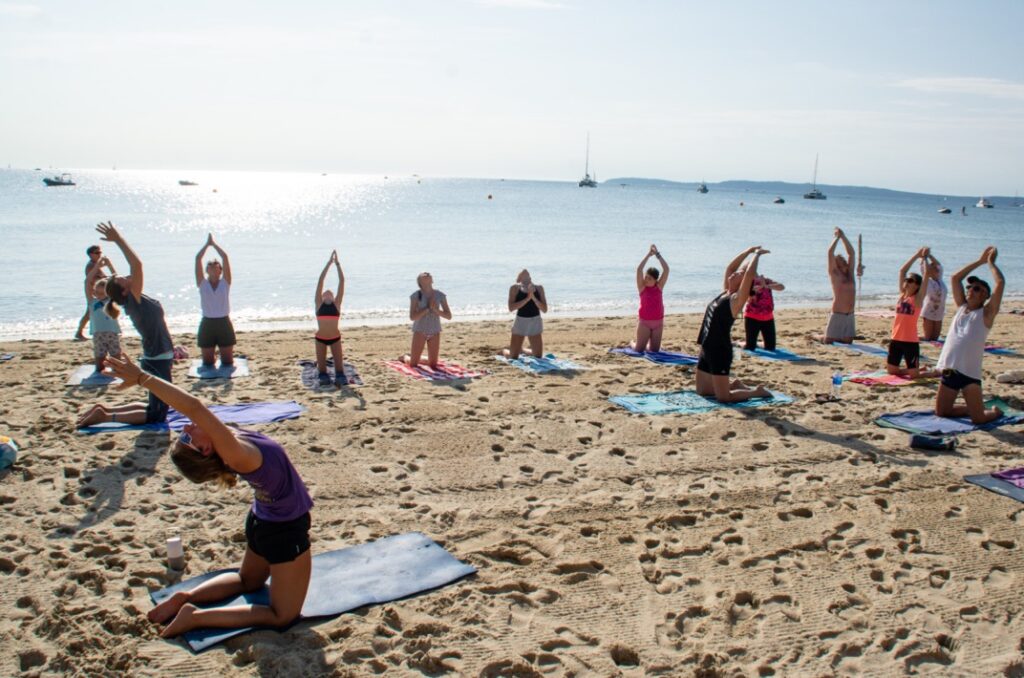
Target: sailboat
[(702, 187), (814, 193), (588, 181)]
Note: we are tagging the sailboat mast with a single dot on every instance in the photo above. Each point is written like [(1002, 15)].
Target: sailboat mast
[(814, 184), (586, 166)]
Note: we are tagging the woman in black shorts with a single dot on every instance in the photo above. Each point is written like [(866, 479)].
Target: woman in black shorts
[(715, 336)]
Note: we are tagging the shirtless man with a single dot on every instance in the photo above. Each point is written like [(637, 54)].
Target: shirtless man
[(841, 324)]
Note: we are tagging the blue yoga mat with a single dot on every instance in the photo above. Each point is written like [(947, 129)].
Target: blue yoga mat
[(867, 349), (240, 368), (548, 363), (777, 354), (926, 421), (688, 402), (997, 485), (242, 413), (375, 572), (659, 357)]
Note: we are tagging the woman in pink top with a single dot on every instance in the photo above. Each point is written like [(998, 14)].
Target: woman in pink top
[(759, 313), (904, 344), (651, 320)]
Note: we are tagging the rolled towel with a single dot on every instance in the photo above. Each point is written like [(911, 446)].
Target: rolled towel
[(1011, 377)]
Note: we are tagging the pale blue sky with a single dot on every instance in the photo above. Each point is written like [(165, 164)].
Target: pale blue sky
[(924, 96)]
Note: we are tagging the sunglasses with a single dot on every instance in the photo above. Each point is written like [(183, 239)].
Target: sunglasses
[(913, 280), (185, 440), (976, 288)]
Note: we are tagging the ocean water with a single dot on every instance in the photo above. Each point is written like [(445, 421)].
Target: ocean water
[(474, 235)]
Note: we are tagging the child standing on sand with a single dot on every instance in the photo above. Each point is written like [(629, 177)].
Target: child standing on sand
[(105, 331)]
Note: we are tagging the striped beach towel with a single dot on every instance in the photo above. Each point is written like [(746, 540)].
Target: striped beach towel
[(443, 372)]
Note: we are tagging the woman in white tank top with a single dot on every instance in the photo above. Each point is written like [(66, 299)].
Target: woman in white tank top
[(215, 329), (960, 360)]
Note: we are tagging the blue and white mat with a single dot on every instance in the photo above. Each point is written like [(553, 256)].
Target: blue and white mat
[(86, 376), (240, 368), (688, 402), (548, 363)]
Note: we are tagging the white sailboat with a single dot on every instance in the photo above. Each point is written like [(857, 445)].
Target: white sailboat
[(702, 187), (814, 193), (587, 181)]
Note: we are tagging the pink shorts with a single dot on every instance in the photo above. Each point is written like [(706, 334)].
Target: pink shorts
[(651, 324)]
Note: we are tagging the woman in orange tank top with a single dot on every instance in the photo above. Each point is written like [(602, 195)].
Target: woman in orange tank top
[(904, 345)]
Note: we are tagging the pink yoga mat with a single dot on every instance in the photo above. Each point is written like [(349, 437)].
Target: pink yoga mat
[(882, 378), (444, 372)]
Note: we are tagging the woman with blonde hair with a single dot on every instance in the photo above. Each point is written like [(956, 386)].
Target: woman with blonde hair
[(426, 308)]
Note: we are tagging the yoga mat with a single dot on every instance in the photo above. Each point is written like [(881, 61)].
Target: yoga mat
[(241, 413), (444, 372), (928, 423), (376, 572), (997, 485), (688, 402), (86, 376), (6, 356), (868, 349), (310, 375), (883, 378), (548, 363), (658, 357), (239, 369), (777, 354)]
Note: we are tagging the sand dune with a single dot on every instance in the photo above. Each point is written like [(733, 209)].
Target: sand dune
[(794, 540)]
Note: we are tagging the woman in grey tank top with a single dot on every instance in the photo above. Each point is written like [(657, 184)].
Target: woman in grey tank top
[(426, 308)]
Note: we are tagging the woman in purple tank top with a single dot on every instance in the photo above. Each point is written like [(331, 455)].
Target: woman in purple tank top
[(276, 530), (651, 317)]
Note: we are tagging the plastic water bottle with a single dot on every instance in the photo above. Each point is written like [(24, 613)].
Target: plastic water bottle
[(837, 384)]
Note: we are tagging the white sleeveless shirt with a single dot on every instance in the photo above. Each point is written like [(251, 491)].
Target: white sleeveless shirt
[(965, 343), (214, 301)]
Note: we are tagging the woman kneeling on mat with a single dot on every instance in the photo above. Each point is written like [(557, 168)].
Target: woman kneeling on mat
[(215, 329), (651, 317), (328, 332), (904, 345), (528, 302), (426, 308), (276, 529), (715, 338), (960, 360)]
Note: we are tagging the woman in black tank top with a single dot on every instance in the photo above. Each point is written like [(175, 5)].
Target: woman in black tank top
[(715, 337), (528, 301)]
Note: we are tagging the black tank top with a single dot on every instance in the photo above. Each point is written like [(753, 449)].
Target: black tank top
[(716, 330), (528, 310)]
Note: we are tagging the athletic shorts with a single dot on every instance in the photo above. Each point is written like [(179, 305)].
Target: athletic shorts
[(214, 332), (105, 343), (156, 409), (957, 381), (277, 542), (716, 361), (904, 350), (527, 326), (841, 326)]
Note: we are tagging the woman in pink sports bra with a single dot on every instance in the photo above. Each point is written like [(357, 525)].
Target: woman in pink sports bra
[(651, 320)]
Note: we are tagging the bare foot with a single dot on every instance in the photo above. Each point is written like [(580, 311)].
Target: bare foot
[(94, 415), (182, 622), (407, 359), (168, 608), (507, 353), (762, 392)]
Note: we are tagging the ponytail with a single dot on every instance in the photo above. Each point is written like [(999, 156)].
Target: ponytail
[(115, 295)]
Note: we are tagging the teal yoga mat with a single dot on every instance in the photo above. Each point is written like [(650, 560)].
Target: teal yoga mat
[(375, 572), (688, 402)]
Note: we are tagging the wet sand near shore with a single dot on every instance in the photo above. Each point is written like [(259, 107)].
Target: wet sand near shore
[(792, 540)]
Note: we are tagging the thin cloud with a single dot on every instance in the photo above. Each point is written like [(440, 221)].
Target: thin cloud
[(986, 87), (522, 4), (19, 9)]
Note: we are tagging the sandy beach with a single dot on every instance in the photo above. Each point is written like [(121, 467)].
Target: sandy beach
[(792, 540)]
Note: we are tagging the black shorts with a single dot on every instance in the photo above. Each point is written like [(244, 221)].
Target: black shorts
[(716, 361), (214, 332), (277, 542), (156, 409), (957, 381), (904, 350)]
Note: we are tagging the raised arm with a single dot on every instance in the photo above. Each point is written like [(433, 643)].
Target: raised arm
[(905, 268), (95, 273), (225, 262), (851, 255), (735, 264), (109, 233), (640, 269), (922, 289), (956, 283), (341, 279), (994, 301), (663, 278), (199, 259), (743, 293), (238, 455), (832, 252), (320, 283)]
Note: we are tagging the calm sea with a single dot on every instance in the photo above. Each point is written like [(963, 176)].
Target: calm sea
[(474, 235)]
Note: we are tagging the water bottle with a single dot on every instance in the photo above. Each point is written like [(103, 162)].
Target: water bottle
[(837, 384)]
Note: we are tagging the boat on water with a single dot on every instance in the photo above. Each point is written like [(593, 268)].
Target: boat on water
[(778, 200), (984, 203), (62, 180), (702, 187), (186, 182), (945, 210), (814, 193), (588, 181)]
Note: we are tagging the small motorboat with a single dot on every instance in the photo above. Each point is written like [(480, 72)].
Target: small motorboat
[(186, 182), (984, 203), (62, 180), (702, 187), (778, 200), (945, 210)]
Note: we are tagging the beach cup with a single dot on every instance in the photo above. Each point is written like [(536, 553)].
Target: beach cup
[(175, 554)]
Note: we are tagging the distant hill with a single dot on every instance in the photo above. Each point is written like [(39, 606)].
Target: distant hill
[(787, 188)]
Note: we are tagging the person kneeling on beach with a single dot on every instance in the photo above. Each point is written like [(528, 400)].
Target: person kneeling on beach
[(216, 333), (904, 345), (960, 360), (276, 529), (715, 338), (651, 317), (528, 302), (842, 325), (426, 308)]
